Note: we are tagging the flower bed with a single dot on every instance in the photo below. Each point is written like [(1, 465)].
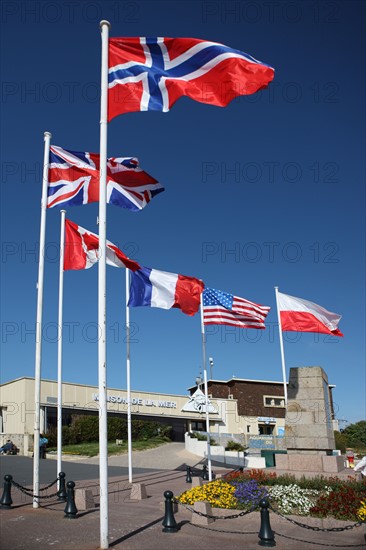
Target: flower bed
[(219, 494), (316, 497)]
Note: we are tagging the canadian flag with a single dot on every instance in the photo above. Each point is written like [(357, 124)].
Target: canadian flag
[(300, 315), (82, 250)]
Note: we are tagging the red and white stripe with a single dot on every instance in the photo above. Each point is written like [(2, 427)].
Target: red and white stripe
[(244, 314), (298, 315)]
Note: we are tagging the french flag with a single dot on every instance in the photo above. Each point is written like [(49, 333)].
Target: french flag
[(153, 288), (298, 315)]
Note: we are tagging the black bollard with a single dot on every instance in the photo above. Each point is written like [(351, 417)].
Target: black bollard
[(70, 508), (61, 493), (189, 475), (265, 534), (205, 473), (6, 500), (169, 523)]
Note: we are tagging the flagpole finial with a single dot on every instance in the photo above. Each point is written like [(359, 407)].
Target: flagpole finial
[(47, 134), (62, 211), (104, 22)]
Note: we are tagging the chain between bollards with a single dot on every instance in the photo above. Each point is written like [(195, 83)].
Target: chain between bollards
[(266, 535), (169, 523), (6, 500), (70, 509)]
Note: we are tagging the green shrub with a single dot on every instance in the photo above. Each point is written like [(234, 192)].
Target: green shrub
[(117, 428), (340, 441), (234, 446), (199, 436), (145, 429), (68, 436), (85, 429), (285, 479), (52, 437), (165, 431)]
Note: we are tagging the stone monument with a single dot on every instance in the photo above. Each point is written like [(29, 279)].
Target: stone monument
[(308, 427)]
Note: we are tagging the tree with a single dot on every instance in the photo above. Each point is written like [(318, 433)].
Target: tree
[(356, 433)]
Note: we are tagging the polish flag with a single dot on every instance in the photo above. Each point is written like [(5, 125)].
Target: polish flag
[(82, 250), (153, 288), (300, 315)]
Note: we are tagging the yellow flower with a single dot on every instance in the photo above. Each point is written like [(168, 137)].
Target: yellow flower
[(361, 513), (218, 493)]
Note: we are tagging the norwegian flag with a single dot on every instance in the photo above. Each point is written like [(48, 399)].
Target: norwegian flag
[(150, 74), (73, 179), (222, 308), (82, 250)]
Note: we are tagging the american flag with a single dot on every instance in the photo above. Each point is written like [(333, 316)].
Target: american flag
[(222, 308), (150, 74), (73, 180)]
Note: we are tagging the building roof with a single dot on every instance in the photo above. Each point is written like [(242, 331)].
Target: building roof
[(109, 388), (234, 378)]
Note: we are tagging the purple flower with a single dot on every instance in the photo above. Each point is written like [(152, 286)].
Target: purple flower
[(249, 492)]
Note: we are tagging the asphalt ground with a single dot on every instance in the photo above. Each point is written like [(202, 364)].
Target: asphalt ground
[(137, 524), (21, 468), (172, 456)]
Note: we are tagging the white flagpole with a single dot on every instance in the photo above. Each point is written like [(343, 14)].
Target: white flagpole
[(128, 370), (37, 371), (206, 392), (59, 344), (281, 347), (102, 313)]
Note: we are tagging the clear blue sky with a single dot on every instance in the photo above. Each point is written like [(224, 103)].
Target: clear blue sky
[(267, 191)]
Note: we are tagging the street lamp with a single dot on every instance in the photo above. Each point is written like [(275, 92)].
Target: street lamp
[(211, 361)]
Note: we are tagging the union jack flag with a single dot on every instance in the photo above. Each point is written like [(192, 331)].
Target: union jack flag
[(73, 179), (150, 74), (222, 308)]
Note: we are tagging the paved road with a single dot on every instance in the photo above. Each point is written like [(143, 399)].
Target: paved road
[(171, 456)]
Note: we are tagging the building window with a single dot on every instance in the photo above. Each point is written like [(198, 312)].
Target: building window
[(197, 426), (248, 429), (273, 401), (265, 429)]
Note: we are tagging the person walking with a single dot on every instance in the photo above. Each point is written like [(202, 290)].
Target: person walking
[(361, 467), (42, 446)]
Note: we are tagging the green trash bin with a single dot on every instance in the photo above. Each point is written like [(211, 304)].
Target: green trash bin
[(270, 458)]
